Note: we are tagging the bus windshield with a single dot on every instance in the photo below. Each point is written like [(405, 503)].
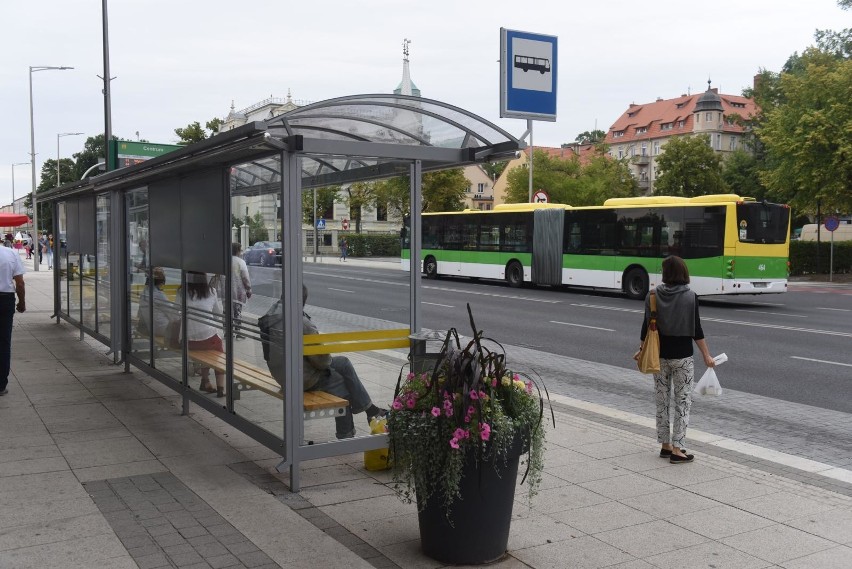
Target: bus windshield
[(761, 222)]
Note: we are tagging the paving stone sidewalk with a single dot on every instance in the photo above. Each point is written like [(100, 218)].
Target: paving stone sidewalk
[(98, 469)]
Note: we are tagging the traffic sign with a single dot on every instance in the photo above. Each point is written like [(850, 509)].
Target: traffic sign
[(527, 75), (540, 197), (320, 223), (832, 222)]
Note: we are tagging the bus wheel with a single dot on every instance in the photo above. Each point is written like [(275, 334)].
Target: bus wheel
[(515, 274), (636, 284), (430, 267)]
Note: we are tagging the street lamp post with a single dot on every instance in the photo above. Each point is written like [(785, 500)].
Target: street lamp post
[(13, 182), (33, 69), (58, 136)]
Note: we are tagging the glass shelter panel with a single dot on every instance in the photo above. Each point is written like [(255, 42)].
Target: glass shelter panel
[(62, 262), (256, 292), (138, 270), (88, 280), (102, 214), (160, 317)]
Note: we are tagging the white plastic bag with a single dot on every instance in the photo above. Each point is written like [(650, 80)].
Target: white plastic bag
[(709, 383)]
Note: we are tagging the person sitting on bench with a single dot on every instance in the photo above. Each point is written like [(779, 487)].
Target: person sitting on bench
[(322, 372)]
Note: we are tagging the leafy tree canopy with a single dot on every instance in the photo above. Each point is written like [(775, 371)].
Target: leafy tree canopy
[(586, 137), (495, 169), (741, 174), (193, 132), (567, 181), (325, 202), (807, 134), (689, 167)]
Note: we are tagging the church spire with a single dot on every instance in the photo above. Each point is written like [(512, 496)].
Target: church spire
[(406, 86)]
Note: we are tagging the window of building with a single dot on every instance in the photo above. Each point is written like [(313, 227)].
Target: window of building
[(718, 145), (733, 144), (620, 152), (681, 123), (618, 134), (697, 118), (643, 175), (641, 129), (709, 117), (632, 150), (381, 212), (680, 105), (644, 149), (480, 187), (656, 147), (666, 126)]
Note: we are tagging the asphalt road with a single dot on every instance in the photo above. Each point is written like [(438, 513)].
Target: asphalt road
[(794, 347)]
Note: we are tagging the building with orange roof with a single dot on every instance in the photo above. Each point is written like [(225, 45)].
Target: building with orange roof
[(642, 131)]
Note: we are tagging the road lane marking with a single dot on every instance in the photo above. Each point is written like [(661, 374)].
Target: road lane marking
[(736, 322), (821, 361), (443, 289), (837, 309), (772, 313), (436, 304), (342, 290), (582, 326)]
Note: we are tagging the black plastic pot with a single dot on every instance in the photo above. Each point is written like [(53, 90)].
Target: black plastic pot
[(481, 519)]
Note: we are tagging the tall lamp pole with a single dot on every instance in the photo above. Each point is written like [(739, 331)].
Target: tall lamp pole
[(58, 136), (33, 69), (13, 182)]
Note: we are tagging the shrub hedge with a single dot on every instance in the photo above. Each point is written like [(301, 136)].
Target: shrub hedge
[(373, 244), (803, 257)]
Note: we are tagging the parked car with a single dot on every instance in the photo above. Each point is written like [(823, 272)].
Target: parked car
[(263, 253)]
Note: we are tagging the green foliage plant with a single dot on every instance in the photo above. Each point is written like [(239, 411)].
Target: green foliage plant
[(373, 244), (689, 168), (469, 406)]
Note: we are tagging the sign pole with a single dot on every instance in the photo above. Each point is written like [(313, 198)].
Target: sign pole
[(831, 259), (315, 225), (530, 129)]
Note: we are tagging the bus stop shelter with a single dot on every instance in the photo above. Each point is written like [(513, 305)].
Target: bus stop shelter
[(138, 244)]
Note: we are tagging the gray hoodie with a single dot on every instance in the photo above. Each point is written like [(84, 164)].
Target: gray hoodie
[(675, 310)]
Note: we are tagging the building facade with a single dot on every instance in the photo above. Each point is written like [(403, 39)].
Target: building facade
[(643, 130)]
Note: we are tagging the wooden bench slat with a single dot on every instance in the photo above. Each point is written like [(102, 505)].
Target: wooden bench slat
[(261, 380), (314, 350), (352, 336)]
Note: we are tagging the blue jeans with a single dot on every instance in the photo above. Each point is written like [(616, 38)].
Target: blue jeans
[(341, 380), (7, 314)]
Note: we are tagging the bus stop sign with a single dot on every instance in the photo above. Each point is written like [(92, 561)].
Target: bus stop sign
[(527, 75)]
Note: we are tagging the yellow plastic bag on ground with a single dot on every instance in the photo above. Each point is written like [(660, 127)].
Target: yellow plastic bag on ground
[(377, 459)]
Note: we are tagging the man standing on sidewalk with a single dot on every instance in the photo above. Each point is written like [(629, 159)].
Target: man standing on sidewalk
[(11, 282)]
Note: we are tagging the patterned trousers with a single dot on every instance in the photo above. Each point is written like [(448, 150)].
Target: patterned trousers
[(674, 385)]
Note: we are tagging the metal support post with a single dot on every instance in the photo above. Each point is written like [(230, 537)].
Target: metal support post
[(416, 201)]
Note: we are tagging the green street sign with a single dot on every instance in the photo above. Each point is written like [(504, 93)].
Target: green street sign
[(124, 153)]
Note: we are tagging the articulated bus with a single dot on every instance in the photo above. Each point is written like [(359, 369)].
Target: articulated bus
[(731, 244)]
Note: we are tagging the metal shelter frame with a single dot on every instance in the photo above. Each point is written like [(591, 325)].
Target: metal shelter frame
[(338, 141)]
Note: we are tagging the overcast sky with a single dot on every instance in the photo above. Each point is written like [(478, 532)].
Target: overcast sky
[(179, 61)]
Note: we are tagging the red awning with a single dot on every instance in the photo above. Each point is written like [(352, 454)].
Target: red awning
[(14, 219)]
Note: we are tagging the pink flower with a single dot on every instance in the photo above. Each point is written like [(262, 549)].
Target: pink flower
[(448, 411), (397, 404), (471, 410), (494, 382), (485, 431), (454, 443), (474, 395), (482, 395), (529, 386), (410, 402), (461, 434), (410, 376), (436, 412)]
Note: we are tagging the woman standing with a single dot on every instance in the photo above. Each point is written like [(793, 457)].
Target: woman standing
[(203, 307), (240, 287), (679, 325)]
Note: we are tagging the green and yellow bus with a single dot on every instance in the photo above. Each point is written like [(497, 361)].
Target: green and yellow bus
[(732, 244)]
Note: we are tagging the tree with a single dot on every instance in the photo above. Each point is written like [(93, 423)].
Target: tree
[(568, 181), (443, 190), (257, 230), (495, 169), (359, 195), (689, 167), (325, 203), (807, 134), (93, 152), (193, 132), (741, 173), (587, 137)]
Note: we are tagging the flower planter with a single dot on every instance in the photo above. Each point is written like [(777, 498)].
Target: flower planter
[(480, 519)]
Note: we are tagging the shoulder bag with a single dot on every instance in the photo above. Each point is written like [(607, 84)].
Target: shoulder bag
[(648, 357)]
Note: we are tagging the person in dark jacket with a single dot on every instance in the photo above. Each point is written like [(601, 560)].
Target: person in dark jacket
[(679, 326)]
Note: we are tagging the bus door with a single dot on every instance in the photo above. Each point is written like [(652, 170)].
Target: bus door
[(548, 228), (590, 248)]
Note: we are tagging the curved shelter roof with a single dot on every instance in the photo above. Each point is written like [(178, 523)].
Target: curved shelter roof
[(343, 140), (374, 136)]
